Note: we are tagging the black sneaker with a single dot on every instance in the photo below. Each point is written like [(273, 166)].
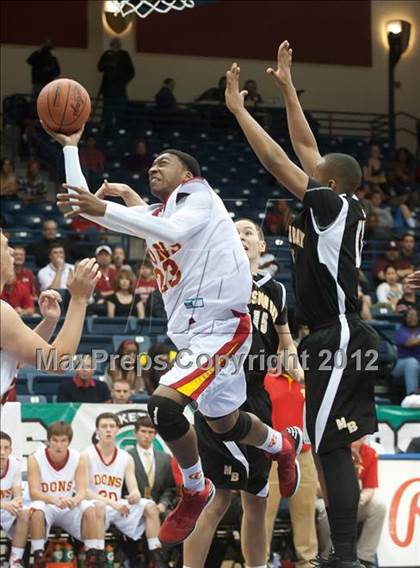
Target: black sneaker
[(334, 561), (39, 559), (158, 558)]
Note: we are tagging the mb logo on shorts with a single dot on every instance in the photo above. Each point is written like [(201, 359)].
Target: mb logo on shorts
[(342, 423)]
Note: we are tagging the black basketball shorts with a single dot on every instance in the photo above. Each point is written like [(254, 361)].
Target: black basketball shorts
[(231, 465), (340, 363)]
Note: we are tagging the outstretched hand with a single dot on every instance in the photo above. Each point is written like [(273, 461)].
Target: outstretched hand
[(233, 96), (64, 139), (83, 202), (282, 75)]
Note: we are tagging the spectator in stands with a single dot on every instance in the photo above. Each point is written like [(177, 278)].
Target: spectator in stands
[(146, 282), (104, 258), (121, 392), (83, 387), (215, 94), (160, 361), (126, 367), (32, 187), (45, 67), (372, 509), (407, 339), (385, 219), (287, 399), (91, 158), (40, 249), (361, 193), (85, 230), (141, 160), (8, 181), (404, 214), (24, 275), (372, 229), (390, 291), (391, 258), (165, 98), (124, 302), (278, 220), (402, 170), (56, 273), (408, 250), (374, 171), (409, 299), (119, 258), (152, 467), (18, 296), (253, 97), (118, 70)]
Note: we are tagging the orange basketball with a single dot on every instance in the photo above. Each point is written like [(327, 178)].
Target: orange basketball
[(64, 106)]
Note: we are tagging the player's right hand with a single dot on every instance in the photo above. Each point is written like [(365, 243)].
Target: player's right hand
[(122, 509), (64, 139), (282, 75), (82, 282), (413, 280)]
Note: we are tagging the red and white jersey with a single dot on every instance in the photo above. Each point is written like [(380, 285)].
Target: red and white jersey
[(199, 262), (107, 479), (10, 478), (57, 480), (8, 369)]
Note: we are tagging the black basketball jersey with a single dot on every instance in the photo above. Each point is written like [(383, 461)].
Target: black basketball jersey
[(268, 309), (326, 243)]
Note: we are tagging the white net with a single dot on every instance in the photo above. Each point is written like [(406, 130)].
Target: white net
[(145, 7)]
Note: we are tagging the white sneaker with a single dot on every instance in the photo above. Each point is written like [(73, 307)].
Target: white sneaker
[(411, 401)]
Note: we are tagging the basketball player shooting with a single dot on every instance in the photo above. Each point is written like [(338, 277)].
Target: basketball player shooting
[(326, 241), (203, 274)]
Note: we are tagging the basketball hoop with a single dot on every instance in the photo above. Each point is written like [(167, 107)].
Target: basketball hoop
[(145, 7)]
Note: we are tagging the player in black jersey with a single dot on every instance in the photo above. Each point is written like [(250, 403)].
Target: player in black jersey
[(340, 352), (233, 466)]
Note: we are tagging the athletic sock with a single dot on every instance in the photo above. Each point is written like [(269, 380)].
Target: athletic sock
[(273, 443), (100, 544), (153, 543), (343, 501), (16, 553), (37, 545), (193, 477), (90, 543)]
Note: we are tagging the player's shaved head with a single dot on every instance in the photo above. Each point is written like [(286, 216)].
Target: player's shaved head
[(188, 161), (343, 169)]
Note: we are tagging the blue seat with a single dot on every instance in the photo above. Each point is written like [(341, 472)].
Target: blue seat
[(111, 326), (151, 326), (46, 209), (47, 384), (33, 399), (12, 207), (23, 386), (89, 343), (144, 342), (28, 221)]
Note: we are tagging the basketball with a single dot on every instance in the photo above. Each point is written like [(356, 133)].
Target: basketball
[(64, 106)]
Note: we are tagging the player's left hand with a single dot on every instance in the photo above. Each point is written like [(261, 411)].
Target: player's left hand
[(16, 505), (133, 497), (49, 305), (64, 139), (84, 201), (234, 98), (413, 280), (71, 503)]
